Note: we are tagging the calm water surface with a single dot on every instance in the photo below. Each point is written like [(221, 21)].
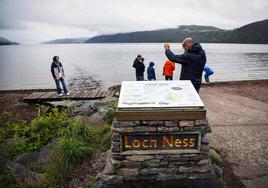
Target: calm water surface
[(103, 65)]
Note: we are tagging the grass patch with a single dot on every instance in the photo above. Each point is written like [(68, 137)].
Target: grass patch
[(7, 181), (111, 111), (71, 150), (215, 157), (77, 142), (36, 168)]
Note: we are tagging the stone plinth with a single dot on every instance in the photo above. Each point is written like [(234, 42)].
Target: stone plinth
[(159, 154)]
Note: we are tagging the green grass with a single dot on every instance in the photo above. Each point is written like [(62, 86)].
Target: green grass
[(78, 129), (7, 181), (34, 135), (71, 150), (215, 157), (109, 116), (77, 141)]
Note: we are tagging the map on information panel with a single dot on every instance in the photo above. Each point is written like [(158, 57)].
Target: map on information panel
[(135, 94)]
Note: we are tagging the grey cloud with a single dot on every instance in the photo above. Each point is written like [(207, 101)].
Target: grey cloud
[(36, 20)]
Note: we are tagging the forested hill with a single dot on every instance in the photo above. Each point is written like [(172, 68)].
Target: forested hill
[(255, 33), (4, 41), (67, 41)]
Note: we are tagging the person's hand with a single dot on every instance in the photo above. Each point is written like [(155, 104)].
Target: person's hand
[(166, 46)]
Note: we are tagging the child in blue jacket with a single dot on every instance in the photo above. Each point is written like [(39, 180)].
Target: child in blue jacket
[(151, 72), (208, 71)]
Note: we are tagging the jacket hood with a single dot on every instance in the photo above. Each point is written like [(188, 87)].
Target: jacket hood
[(151, 64), (195, 48), (169, 62)]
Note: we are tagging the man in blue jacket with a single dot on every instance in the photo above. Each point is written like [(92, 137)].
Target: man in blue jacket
[(192, 60)]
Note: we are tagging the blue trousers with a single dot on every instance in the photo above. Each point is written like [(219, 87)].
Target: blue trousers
[(139, 78), (63, 85), (207, 77)]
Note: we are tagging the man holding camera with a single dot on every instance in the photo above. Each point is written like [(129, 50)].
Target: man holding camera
[(192, 60)]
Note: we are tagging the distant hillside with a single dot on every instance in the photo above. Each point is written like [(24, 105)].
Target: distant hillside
[(4, 41), (256, 32), (67, 41)]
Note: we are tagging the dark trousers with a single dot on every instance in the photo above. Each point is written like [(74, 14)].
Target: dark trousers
[(169, 77), (197, 84), (63, 85)]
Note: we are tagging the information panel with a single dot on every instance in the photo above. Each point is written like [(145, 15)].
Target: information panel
[(158, 94)]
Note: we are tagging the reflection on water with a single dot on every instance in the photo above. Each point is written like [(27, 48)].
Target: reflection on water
[(82, 80), (90, 66)]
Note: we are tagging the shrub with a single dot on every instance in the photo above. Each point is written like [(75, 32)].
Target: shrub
[(111, 111), (7, 127), (57, 172), (71, 150), (42, 129), (97, 138), (104, 137), (5, 119), (32, 136), (75, 141), (67, 154), (7, 181), (78, 129), (13, 147)]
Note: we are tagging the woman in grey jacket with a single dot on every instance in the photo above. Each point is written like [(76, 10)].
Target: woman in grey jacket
[(58, 75)]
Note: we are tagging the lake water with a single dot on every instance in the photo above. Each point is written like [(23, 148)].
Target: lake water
[(103, 65)]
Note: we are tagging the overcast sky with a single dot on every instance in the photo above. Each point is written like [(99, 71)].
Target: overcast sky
[(34, 21)]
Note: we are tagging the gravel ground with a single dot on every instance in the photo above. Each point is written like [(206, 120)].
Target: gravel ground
[(238, 115), (246, 150)]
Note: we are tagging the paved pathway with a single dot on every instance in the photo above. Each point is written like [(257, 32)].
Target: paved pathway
[(240, 130)]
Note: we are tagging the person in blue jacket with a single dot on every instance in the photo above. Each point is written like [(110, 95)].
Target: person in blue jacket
[(151, 72), (192, 61), (208, 72)]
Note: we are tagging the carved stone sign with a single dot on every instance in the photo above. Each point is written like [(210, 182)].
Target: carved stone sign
[(160, 141)]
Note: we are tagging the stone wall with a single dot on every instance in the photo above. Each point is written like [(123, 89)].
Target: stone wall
[(167, 167)]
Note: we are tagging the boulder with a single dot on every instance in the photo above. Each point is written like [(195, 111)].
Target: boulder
[(26, 158), (21, 173), (44, 154)]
